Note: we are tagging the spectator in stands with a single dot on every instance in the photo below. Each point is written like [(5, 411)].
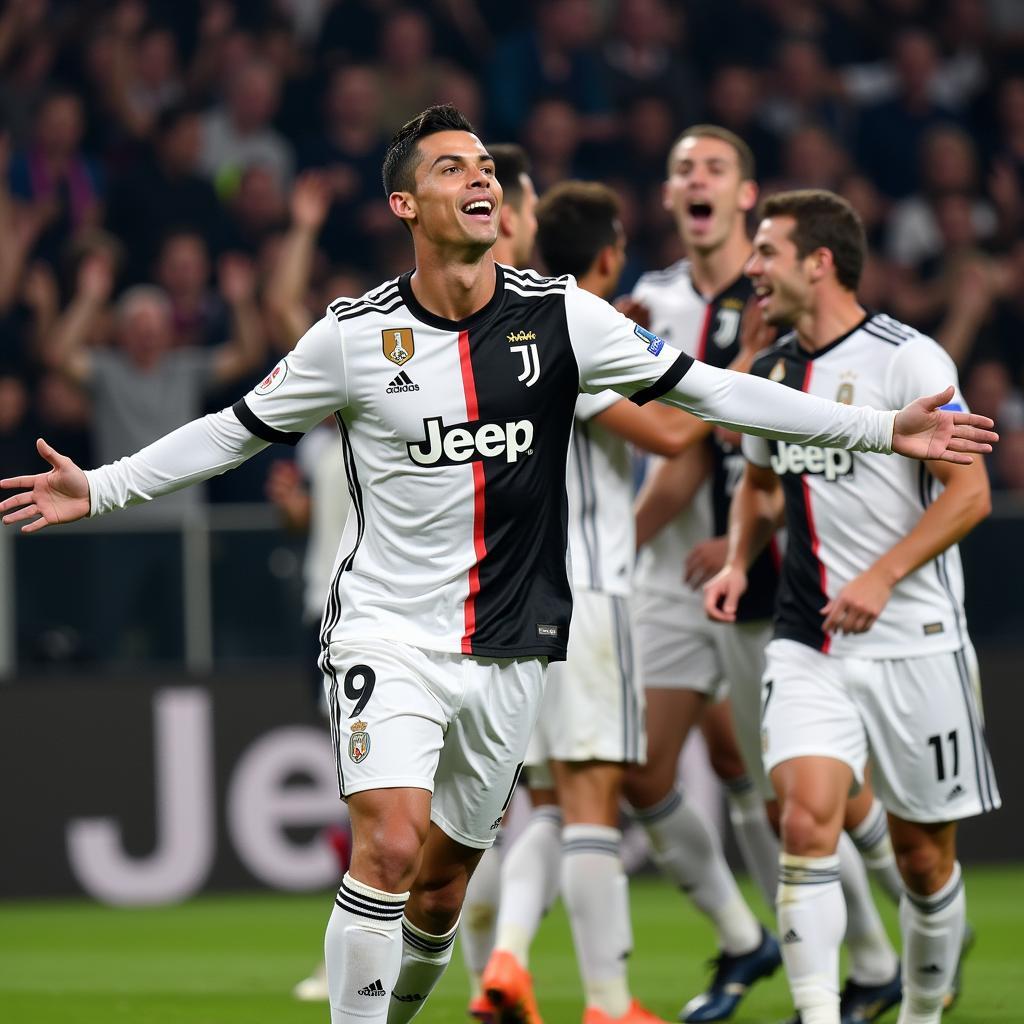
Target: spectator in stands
[(811, 158), (410, 73), (238, 133), (641, 59), (948, 166), (553, 58), (349, 149), (54, 176), (891, 131), (804, 92), (165, 192), (552, 136), (141, 385), (198, 314), (257, 210), (734, 96)]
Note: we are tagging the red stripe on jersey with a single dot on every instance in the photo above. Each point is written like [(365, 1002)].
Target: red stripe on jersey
[(815, 539), (702, 345), (479, 543)]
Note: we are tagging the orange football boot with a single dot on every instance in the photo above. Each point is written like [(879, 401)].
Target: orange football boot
[(480, 1009), (636, 1014), (509, 989)]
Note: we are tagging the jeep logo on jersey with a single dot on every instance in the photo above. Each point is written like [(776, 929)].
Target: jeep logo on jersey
[(832, 463), (469, 442), (399, 345)]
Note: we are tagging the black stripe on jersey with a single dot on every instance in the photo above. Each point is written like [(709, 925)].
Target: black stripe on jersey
[(669, 273), (529, 280), (375, 297), (526, 292), (391, 305), (384, 299), (881, 336), (524, 601), (666, 382), (259, 429), (800, 595), (332, 613), (588, 503), (901, 330)]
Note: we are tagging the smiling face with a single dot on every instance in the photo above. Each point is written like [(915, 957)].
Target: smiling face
[(456, 198), (706, 193), (782, 280)]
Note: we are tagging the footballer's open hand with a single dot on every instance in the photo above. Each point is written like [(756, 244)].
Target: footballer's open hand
[(60, 495), (924, 430)]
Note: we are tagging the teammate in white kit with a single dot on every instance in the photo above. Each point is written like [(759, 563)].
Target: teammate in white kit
[(870, 655), (686, 662), (591, 722), (450, 592)]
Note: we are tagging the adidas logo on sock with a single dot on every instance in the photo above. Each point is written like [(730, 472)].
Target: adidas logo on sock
[(375, 989), (930, 969), (403, 382), (790, 937)]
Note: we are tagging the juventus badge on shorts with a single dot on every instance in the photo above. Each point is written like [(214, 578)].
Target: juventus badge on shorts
[(399, 345), (359, 742)]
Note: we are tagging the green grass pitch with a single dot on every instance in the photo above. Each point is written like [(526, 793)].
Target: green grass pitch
[(233, 960)]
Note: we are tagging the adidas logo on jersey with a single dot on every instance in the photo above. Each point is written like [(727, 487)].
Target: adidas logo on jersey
[(403, 382), (373, 989), (450, 446), (832, 463)]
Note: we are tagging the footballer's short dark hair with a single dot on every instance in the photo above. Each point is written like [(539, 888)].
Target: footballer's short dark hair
[(823, 220), (510, 164), (744, 154), (575, 221), (402, 157)]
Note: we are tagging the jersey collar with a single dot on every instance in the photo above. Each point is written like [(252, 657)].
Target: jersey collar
[(807, 354), (423, 314)]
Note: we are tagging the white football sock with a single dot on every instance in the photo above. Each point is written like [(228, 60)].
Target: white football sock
[(424, 959), (595, 893), (871, 837), (480, 914), (529, 881), (363, 951), (873, 961), (690, 854), (812, 919), (754, 836), (933, 929)]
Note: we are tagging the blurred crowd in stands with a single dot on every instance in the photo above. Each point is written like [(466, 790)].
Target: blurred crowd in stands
[(185, 184)]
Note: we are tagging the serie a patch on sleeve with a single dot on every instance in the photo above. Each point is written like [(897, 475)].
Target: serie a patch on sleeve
[(652, 341)]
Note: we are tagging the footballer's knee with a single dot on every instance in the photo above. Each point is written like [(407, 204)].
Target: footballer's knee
[(925, 858), (805, 832), (436, 900)]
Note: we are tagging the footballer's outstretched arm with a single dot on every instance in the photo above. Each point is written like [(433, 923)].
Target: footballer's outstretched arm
[(306, 386), (921, 430), (192, 453)]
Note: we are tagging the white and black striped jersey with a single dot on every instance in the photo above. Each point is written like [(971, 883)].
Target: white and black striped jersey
[(708, 330), (602, 529), (845, 510), (456, 438)]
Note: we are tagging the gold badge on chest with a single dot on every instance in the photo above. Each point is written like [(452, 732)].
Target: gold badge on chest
[(399, 344)]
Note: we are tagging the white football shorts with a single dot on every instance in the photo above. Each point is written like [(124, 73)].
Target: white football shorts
[(593, 707), (454, 725), (918, 719)]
